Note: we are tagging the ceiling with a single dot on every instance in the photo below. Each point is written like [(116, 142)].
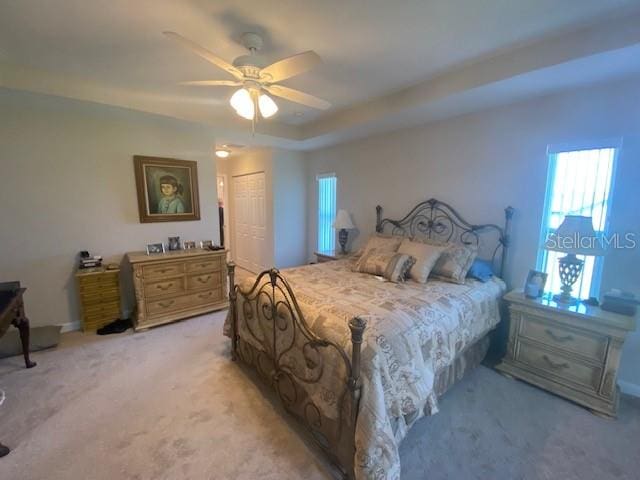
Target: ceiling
[(374, 51)]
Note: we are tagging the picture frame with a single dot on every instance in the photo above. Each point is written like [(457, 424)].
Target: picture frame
[(188, 245), (167, 189), (535, 283), (206, 243), (155, 248), (174, 244)]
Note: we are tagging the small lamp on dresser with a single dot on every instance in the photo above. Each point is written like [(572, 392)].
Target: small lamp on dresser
[(343, 223), (574, 236)]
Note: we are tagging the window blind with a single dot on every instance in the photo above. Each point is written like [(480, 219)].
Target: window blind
[(326, 211)]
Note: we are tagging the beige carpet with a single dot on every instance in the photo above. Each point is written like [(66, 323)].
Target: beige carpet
[(168, 404)]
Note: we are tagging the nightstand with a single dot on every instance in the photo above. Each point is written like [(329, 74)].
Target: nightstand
[(99, 293), (329, 255), (573, 352)]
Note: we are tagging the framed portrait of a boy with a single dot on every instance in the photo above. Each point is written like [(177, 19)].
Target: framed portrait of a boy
[(167, 189)]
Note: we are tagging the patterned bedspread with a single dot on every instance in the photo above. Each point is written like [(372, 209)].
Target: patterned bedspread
[(413, 331)]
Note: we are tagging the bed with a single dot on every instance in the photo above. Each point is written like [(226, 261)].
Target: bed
[(359, 360)]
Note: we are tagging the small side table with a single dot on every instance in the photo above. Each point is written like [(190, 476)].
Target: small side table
[(573, 351), (99, 295), (329, 255)]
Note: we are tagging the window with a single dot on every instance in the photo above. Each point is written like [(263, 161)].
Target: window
[(579, 182), (326, 211)]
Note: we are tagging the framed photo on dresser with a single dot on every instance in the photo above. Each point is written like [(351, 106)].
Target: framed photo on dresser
[(167, 189)]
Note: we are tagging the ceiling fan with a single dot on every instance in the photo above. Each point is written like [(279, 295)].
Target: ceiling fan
[(256, 79)]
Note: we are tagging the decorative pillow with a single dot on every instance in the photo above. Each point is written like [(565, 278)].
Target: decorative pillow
[(390, 265), (381, 244), (454, 263), (481, 270), (426, 256)]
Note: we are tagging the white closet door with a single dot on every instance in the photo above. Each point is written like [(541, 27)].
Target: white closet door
[(250, 221)]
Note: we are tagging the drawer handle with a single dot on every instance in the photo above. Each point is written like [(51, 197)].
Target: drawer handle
[(166, 304), (166, 287), (553, 365), (164, 270), (205, 295), (204, 265), (205, 280), (559, 338)]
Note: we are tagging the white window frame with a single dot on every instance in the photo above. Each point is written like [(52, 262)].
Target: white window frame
[(552, 152)]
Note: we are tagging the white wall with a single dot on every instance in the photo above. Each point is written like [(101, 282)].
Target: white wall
[(482, 162), (290, 208), (285, 197), (68, 185)]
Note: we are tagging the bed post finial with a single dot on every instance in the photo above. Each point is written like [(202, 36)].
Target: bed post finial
[(233, 314), (378, 219), (357, 326), (506, 237)]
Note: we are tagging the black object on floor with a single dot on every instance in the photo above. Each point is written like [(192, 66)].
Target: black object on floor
[(4, 450), (117, 326)]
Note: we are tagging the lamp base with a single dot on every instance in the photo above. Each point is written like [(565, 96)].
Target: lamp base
[(567, 300), (343, 236), (570, 268)]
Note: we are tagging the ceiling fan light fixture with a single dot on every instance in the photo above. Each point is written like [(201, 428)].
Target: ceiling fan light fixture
[(268, 107), (242, 103), (222, 152)]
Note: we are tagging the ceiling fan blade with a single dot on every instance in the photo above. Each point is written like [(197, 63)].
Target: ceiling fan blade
[(297, 96), (204, 53), (212, 83), (291, 66)]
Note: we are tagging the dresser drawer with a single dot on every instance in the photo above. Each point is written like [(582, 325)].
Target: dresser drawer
[(162, 271), (166, 305), (203, 298), (590, 345), (164, 287), (204, 265), (100, 296), (95, 283), (559, 365), (203, 280), (101, 311)]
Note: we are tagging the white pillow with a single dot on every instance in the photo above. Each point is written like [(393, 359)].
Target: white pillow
[(426, 256)]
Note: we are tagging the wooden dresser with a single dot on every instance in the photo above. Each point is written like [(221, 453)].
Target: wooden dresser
[(99, 293), (175, 285), (571, 351)]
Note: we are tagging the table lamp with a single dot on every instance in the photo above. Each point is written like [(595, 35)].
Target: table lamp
[(343, 223), (575, 236)]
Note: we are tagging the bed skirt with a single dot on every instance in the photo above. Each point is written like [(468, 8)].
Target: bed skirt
[(463, 363)]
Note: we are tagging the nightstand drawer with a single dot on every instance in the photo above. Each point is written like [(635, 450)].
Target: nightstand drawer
[(590, 345), (559, 365)]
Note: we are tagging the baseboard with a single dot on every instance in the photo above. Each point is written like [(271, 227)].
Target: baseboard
[(73, 326), (70, 327), (629, 388)]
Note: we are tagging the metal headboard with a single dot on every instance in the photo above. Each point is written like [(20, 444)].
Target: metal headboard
[(439, 221)]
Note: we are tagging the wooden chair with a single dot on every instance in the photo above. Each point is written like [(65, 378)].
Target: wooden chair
[(12, 313)]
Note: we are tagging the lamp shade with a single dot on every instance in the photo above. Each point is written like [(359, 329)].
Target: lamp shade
[(575, 235), (343, 220), (268, 107), (242, 102)]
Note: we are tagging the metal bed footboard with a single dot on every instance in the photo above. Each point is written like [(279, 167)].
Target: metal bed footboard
[(295, 362)]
